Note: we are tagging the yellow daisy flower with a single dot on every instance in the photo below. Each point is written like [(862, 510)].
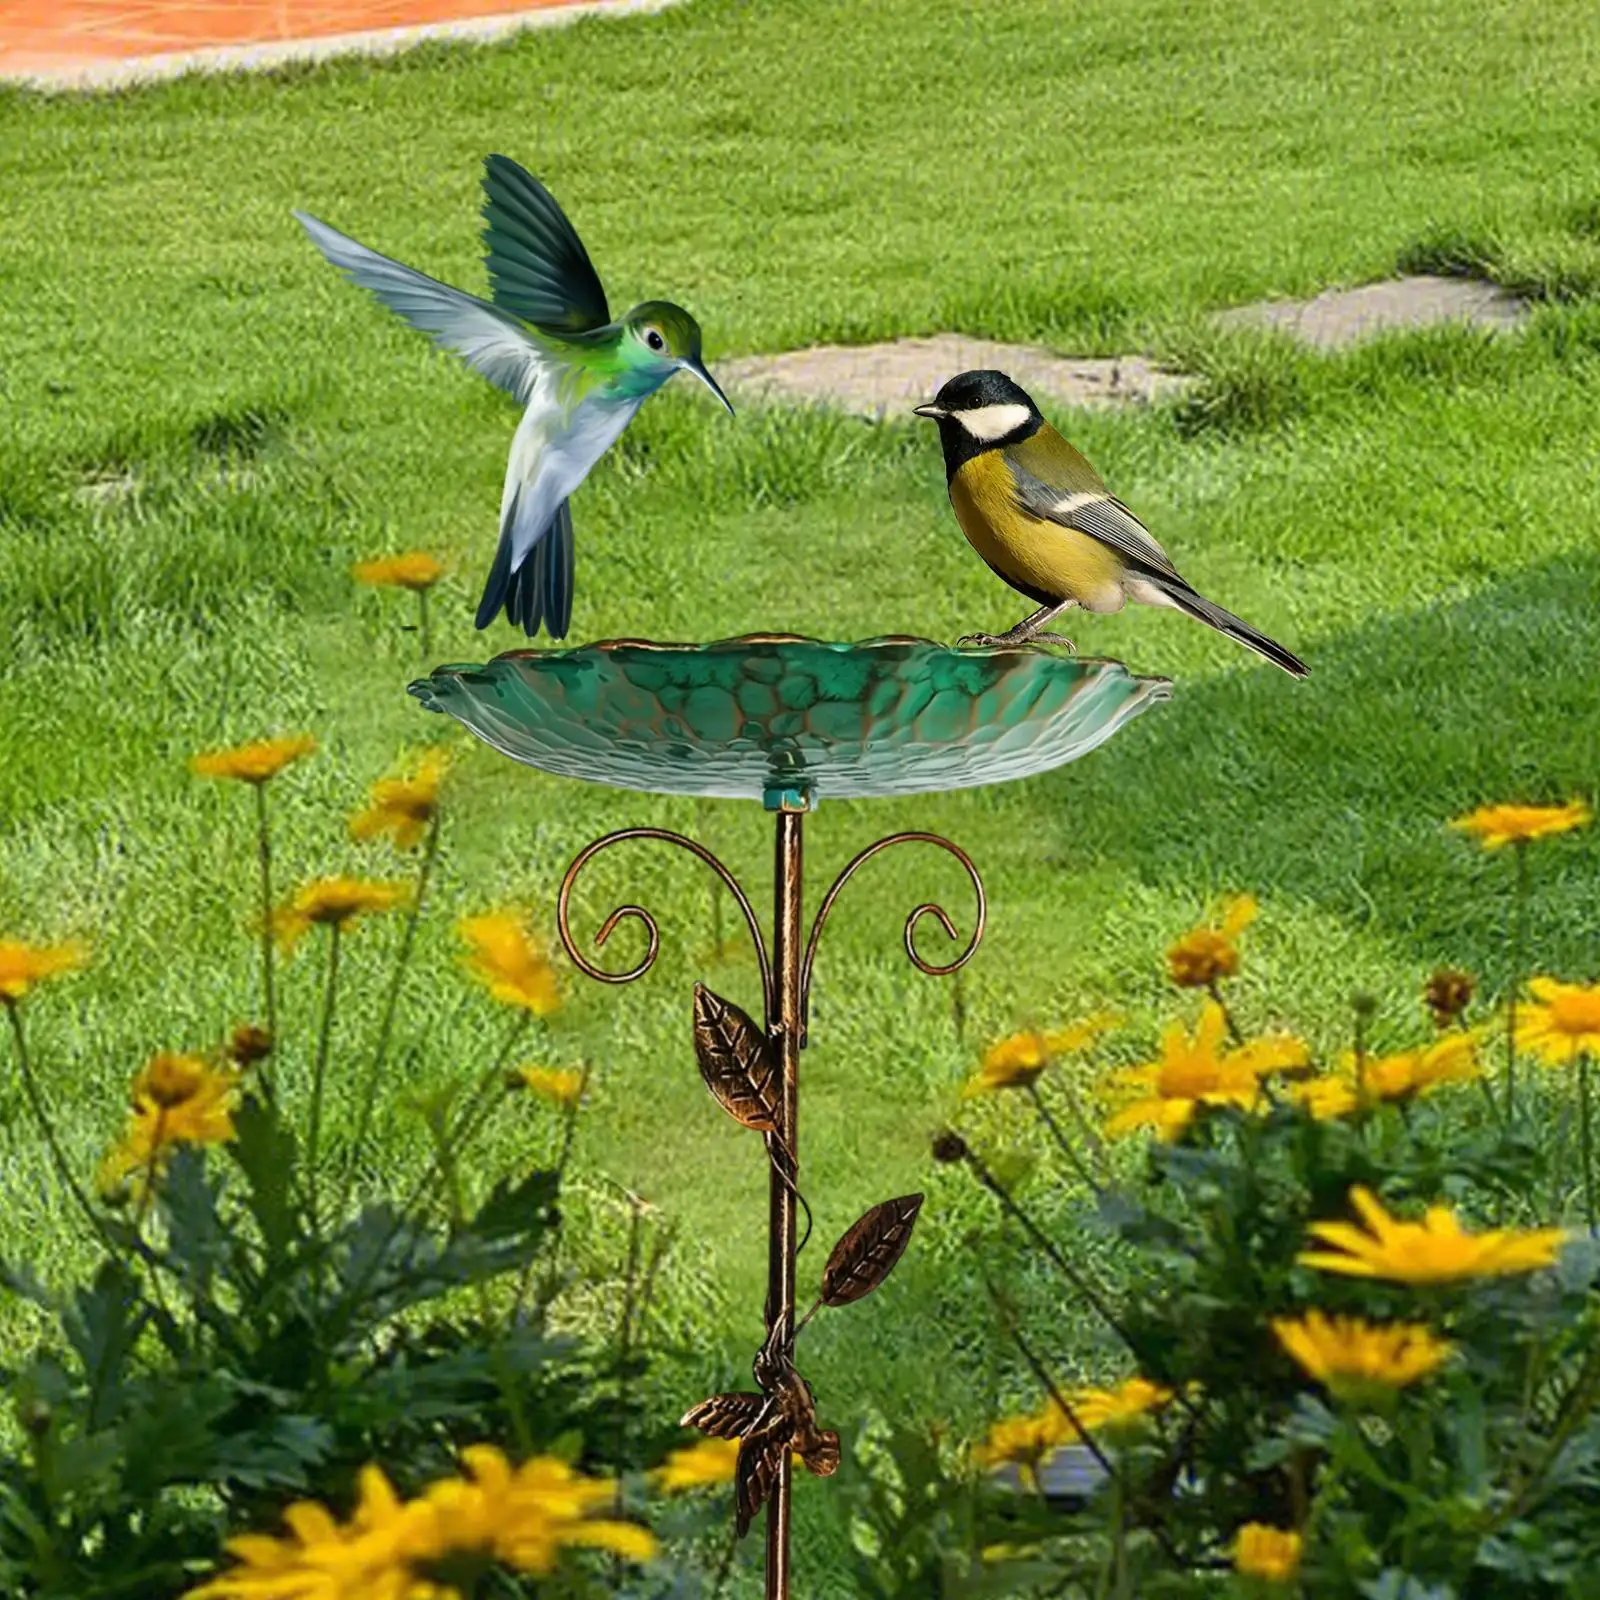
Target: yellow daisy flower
[(333, 902), (1326, 1098), (403, 807), (705, 1465), (1023, 1441), (1206, 954), (1347, 1355), (1019, 1059), (1494, 826), (508, 962), (521, 1516), (177, 1100), (1420, 1071), (1436, 1250), (253, 763), (1271, 1554), (560, 1085), (23, 965), (415, 570), (1190, 1073), (1111, 1410), (1562, 1024)]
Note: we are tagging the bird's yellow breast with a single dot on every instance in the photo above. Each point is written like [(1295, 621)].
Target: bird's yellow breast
[(1044, 560)]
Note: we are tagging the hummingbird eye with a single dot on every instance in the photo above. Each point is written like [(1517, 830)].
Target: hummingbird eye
[(654, 340)]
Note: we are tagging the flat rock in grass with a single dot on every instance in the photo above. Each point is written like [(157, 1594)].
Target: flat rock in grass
[(877, 380), (1340, 317)]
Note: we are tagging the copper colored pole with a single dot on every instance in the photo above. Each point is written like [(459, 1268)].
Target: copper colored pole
[(783, 1028)]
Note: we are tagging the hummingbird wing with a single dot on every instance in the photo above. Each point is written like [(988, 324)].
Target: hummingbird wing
[(538, 267), (489, 340), (725, 1416), (761, 1457), (1054, 481)]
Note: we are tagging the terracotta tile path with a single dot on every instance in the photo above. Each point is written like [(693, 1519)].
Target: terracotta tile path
[(88, 41)]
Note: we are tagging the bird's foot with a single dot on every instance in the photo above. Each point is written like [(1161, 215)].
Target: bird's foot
[(1010, 641)]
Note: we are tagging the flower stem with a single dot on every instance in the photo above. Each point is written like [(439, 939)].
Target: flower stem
[(1586, 1136), (319, 1076), (1214, 989), (1092, 1295), (424, 630), (1519, 909), (30, 1089), (1064, 1144), (268, 979), (568, 1131), (380, 1053)]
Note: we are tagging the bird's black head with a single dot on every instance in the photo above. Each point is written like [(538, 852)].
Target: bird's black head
[(978, 411)]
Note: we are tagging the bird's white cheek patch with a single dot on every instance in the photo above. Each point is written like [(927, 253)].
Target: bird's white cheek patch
[(993, 422)]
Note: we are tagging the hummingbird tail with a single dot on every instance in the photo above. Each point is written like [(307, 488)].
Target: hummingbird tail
[(1203, 610), (538, 591)]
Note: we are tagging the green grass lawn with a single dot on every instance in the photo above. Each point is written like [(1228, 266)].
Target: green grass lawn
[(202, 427)]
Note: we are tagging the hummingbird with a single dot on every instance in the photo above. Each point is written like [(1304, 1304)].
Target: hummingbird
[(547, 338), (782, 1417)]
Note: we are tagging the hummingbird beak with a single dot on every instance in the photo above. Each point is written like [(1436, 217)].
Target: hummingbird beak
[(930, 410), (698, 369)]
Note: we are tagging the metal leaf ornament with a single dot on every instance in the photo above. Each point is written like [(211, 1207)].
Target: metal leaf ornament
[(735, 1062), (867, 1254)]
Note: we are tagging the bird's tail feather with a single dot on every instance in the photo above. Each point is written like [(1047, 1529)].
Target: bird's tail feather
[(538, 590), (1203, 610)]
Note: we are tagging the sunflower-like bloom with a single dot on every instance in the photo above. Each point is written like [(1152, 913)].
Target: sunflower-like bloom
[(1349, 1356), (1271, 1554), (1326, 1098), (1190, 1073), (1562, 1024), (403, 807), (1023, 1441), (508, 962), (1026, 1440), (253, 763), (1420, 1071), (333, 902), (1436, 1250), (1112, 1410), (525, 1515), (1019, 1059), (520, 1516), (415, 570), (23, 965), (1494, 826), (560, 1085), (705, 1465), (177, 1100), (1205, 954)]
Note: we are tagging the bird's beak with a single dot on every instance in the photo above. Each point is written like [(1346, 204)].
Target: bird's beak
[(930, 410), (698, 369)]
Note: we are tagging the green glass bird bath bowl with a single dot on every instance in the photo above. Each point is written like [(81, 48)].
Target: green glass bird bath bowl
[(789, 720)]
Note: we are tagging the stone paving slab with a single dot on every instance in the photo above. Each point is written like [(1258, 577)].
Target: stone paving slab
[(878, 380), (1340, 317)]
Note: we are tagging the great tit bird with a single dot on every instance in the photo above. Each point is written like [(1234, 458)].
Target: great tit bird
[(1043, 520), (548, 340)]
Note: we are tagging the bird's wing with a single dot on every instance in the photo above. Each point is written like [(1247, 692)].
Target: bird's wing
[(486, 338), (760, 1460), (1054, 482), (725, 1416), (538, 267)]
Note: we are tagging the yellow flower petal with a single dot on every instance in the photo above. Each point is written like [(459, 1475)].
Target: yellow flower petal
[(1494, 826), (508, 962), (1271, 1554), (414, 570), (253, 763), (24, 965)]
